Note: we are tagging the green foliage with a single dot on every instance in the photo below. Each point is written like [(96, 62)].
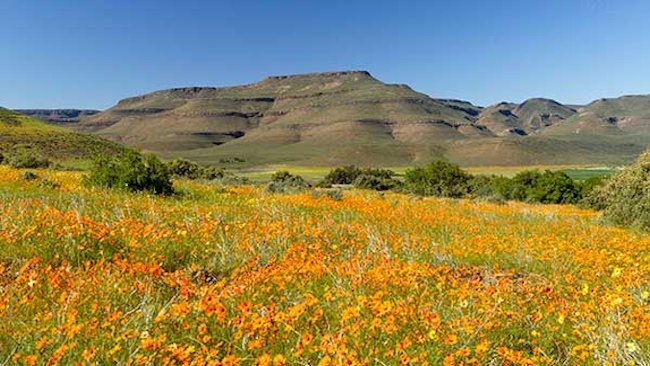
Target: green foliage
[(625, 197), (439, 178), (181, 168), (285, 182), (49, 184), (374, 182), (535, 186), (350, 173), (26, 158), (334, 194), (132, 171), (29, 175), (554, 187)]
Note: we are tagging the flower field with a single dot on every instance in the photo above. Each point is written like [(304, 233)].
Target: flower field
[(232, 275)]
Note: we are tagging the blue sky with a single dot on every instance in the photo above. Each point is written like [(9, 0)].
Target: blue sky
[(91, 53)]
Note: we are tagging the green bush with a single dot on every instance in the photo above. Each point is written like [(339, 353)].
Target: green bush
[(535, 186), (554, 187), (482, 186), (334, 194), (439, 178), (348, 174), (132, 171), (50, 184), (285, 182), (181, 168), (625, 197), (374, 182), (27, 159), (29, 175)]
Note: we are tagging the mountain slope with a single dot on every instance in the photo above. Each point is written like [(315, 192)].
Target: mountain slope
[(350, 117), (324, 118), (531, 116), (626, 115), (54, 142), (58, 116)]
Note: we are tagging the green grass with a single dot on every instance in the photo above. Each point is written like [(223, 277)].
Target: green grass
[(56, 143)]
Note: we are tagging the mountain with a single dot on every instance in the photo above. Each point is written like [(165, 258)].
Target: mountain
[(626, 115), (350, 117), (531, 116), (58, 116), (55, 142)]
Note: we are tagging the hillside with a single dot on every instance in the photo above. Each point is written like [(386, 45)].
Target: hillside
[(54, 142), (58, 116), (531, 116), (350, 117)]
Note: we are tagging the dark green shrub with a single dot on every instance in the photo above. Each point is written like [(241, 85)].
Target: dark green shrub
[(482, 186), (343, 175), (374, 182), (27, 159), (348, 174), (554, 187), (50, 184), (520, 186), (535, 186), (181, 168), (334, 194), (439, 178), (28, 175), (625, 197), (285, 182), (132, 171)]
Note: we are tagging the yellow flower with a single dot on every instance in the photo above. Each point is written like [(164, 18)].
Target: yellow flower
[(279, 360), (630, 347)]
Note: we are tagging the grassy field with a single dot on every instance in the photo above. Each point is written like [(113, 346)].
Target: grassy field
[(232, 275)]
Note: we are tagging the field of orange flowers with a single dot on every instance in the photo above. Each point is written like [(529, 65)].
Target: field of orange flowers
[(232, 275)]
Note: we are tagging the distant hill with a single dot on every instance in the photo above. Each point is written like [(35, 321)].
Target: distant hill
[(58, 116), (350, 117), (531, 116), (55, 142)]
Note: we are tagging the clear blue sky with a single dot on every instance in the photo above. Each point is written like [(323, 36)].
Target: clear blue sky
[(90, 53)]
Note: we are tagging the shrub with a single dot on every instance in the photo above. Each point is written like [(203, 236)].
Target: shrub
[(181, 168), (334, 194), (439, 178), (625, 197), (350, 173), (132, 171), (29, 175), (554, 187), (520, 186), (50, 184), (26, 158), (534, 186), (377, 183), (482, 186), (285, 182)]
